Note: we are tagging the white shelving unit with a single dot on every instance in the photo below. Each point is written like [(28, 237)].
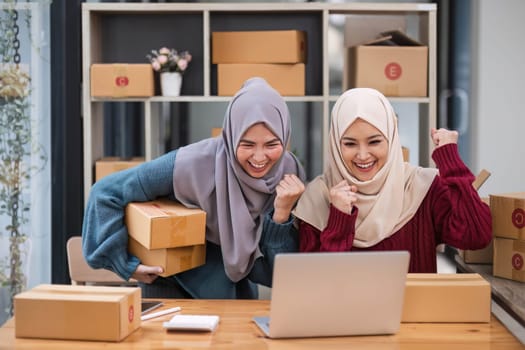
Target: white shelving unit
[(125, 32)]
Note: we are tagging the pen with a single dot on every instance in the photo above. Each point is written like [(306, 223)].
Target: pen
[(160, 313)]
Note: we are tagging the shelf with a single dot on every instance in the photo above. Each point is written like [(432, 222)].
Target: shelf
[(127, 32)]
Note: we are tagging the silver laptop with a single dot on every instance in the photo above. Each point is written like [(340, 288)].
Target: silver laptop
[(336, 294)]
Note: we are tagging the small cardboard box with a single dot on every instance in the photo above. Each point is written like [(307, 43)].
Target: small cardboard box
[(165, 224), (172, 260), (216, 132), (508, 215), (77, 312), (287, 79), (268, 46), (509, 259), (393, 70), (446, 298), (121, 80), (110, 165)]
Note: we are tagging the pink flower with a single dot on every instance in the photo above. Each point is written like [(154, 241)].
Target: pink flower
[(182, 64), (164, 51), (169, 60)]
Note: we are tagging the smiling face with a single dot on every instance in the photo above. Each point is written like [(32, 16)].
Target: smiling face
[(364, 149), (258, 150)]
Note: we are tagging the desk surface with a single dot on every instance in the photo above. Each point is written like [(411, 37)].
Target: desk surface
[(237, 331)]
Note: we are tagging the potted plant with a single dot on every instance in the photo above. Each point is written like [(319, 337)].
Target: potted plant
[(20, 157), (171, 65)]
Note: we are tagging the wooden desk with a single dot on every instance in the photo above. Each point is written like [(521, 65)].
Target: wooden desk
[(237, 331)]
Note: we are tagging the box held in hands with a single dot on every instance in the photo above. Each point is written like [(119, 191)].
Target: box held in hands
[(172, 260), (77, 312), (165, 224)]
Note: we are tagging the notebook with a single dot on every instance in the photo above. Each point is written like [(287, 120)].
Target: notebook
[(336, 294)]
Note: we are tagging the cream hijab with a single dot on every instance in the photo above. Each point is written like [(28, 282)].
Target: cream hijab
[(208, 176), (387, 201)]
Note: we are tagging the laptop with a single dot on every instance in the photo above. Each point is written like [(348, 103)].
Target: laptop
[(336, 294)]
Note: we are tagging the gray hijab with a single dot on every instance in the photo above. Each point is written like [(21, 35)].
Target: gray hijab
[(208, 176)]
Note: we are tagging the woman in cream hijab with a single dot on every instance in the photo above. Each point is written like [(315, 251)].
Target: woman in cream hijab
[(368, 198)]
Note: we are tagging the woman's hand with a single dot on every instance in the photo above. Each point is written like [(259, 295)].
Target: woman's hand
[(147, 274), (288, 191), (443, 136), (343, 196)]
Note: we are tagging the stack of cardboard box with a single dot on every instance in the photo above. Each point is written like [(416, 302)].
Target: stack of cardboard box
[(167, 234), (508, 226), (278, 56)]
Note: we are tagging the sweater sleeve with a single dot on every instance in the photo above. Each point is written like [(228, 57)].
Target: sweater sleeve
[(338, 235), (104, 234), (276, 238), (461, 218)]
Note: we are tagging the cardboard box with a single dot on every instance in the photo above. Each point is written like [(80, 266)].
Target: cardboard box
[(172, 260), (508, 215), (394, 64), (360, 29), (165, 224), (406, 154), (110, 165), (287, 79), (509, 259), (77, 312), (446, 298), (216, 132), (121, 80), (268, 46)]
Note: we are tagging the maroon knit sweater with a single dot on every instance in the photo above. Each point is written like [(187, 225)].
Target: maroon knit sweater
[(451, 213)]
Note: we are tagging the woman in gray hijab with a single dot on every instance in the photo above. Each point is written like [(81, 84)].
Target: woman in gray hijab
[(245, 181)]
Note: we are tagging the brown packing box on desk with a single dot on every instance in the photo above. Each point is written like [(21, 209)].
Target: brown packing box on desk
[(172, 260), (446, 298), (77, 312), (509, 259), (110, 165), (121, 80), (508, 215), (268, 46), (165, 224), (393, 70), (287, 79)]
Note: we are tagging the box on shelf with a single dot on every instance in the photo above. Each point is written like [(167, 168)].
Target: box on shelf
[(509, 259), (165, 224), (360, 29), (266, 46), (287, 79), (216, 132), (508, 215), (77, 312), (109, 165), (406, 153), (121, 80), (446, 298), (395, 70), (172, 260)]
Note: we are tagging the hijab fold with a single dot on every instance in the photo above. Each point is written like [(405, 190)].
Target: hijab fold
[(388, 200), (208, 176)]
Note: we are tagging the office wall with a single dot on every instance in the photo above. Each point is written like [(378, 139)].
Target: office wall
[(498, 113)]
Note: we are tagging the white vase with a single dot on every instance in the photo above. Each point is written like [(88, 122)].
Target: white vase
[(170, 83)]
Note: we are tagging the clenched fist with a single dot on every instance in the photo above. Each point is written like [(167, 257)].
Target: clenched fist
[(343, 196), (288, 191)]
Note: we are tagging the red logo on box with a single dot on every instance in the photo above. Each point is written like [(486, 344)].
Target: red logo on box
[(393, 71), (131, 313), (517, 261), (518, 218), (121, 81)]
